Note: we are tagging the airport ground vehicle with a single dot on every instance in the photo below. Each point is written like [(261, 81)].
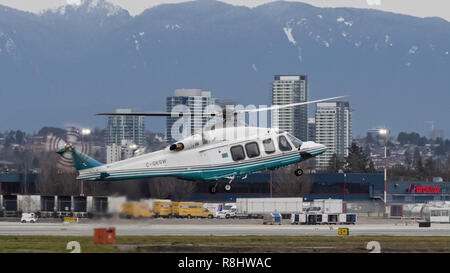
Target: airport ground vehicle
[(227, 213), (136, 210), (28, 218), (228, 210), (272, 218), (190, 210), (318, 218), (163, 208)]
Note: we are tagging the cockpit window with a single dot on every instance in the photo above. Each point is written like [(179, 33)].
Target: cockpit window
[(284, 144), (297, 142)]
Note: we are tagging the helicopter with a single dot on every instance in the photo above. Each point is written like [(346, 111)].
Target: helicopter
[(222, 151)]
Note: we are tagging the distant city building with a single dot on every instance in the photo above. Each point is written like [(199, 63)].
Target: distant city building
[(123, 151), (196, 101), (125, 128), (288, 89), (436, 133), (334, 130), (311, 129)]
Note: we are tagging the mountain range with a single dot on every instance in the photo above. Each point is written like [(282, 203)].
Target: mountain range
[(67, 64)]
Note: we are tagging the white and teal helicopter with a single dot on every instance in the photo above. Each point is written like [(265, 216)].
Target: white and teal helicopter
[(220, 152)]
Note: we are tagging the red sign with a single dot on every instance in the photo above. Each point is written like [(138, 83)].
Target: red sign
[(427, 189)]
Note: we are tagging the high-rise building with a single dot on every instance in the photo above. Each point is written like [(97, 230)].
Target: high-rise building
[(334, 130), (131, 128), (288, 89), (196, 100), (311, 129)]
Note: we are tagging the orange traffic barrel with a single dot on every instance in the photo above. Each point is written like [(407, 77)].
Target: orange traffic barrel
[(105, 235)]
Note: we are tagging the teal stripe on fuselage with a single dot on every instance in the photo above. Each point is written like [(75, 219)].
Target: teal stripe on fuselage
[(211, 173)]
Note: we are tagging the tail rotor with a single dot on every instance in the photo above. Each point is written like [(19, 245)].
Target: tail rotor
[(64, 145)]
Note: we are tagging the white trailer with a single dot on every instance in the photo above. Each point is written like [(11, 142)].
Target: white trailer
[(252, 207), (329, 206), (438, 215)]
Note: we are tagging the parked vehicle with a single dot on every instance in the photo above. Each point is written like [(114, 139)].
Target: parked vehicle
[(190, 209), (136, 210), (227, 213), (162, 208), (28, 218)]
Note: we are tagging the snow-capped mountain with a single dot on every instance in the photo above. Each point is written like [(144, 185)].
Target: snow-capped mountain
[(72, 62)]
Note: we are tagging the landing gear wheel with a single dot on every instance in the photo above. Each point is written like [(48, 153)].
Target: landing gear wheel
[(213, 189), (298, 172), (227, 187)]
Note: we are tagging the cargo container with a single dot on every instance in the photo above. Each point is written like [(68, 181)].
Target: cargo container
[(190, 209), (333, 218), (136, 210), (162, 209), (252, 207), (313, 219), (298, 218), (350, 218), (342, 218), (324, 219)]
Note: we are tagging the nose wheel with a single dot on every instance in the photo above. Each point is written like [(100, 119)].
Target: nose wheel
[(227, 187), (298, 172)]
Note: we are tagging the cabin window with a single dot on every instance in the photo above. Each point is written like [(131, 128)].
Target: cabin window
[(269, 147), (252, 149), (237, 153), (284, 144), (297, 142)]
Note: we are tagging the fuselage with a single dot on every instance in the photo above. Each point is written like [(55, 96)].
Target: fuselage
[(211, 155)]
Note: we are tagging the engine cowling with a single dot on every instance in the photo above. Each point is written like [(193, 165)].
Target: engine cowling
[(187, 143)]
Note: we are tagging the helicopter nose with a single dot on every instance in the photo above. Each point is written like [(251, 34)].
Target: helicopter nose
[(309, 149)]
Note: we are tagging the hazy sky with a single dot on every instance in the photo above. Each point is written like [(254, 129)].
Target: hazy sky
[(420, 8)]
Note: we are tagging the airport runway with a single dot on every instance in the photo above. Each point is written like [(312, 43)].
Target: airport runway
[(131, 228)]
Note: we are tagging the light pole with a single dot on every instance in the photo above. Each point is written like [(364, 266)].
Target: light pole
[(84, 132), (384, 133)]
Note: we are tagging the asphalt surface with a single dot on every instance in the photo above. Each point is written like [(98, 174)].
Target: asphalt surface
[(219, 227)]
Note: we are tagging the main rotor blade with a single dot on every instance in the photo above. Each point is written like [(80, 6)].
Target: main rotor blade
[(276, 107), (159, 114)]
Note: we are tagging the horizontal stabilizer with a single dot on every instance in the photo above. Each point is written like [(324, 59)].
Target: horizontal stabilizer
[(81, 161)]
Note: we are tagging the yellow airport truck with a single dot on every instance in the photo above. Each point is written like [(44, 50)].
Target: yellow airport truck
[(162, 208), (190, 210), (136, 210)]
